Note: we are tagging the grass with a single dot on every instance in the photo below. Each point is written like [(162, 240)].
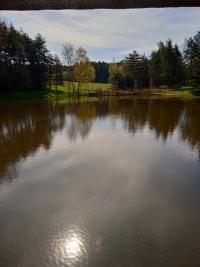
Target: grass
[(90, 87), (186, 94), (183, 91), (61, 92), (184, 87)]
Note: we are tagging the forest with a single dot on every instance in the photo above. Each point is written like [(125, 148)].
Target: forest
[(166, 67), (26, 64)]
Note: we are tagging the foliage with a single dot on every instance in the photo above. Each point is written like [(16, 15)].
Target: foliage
[(102, 71), (84, 71), (192, 60), (57, 76), (117, 76), (132, 72), (166, 65), (133, 65), (25, 63)]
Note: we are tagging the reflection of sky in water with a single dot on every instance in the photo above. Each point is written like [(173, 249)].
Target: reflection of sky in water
[(127, 194)]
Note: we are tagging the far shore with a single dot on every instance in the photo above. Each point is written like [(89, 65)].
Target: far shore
[(60, 94)]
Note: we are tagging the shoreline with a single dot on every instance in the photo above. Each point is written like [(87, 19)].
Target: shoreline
[(53, 94)]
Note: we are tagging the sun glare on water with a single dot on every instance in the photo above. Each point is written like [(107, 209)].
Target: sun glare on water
[(71, 247), (74, 247)]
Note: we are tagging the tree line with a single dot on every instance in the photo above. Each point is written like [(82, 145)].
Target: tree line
[(166, 66), (27, 64), (102, 71), (23, 61)]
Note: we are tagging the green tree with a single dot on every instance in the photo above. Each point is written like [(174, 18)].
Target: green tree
[(84, 71), (155, 69), (192, 59), (117, 75), (102, 71), (39, 62), (195, 78), (166, 65), (90, 74), (133, 66), (144, 74)]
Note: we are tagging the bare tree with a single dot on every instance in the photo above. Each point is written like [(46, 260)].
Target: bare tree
[(68, 53)]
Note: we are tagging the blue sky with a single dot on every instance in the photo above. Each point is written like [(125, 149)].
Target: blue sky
[(108, 34)]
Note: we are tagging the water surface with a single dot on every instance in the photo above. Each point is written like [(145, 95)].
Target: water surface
[(103, 183)]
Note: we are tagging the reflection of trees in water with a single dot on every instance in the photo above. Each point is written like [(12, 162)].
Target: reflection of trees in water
[(135, 114), (162, 116), (76, 128), (190, 125), (79, 122), (25, 127)]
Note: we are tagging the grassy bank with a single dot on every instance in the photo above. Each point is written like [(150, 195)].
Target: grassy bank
[(187, 94), (90, 87), (183, 92), (53, 92)]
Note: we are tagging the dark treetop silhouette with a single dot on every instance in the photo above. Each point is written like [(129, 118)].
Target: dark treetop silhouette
[(92, 4)]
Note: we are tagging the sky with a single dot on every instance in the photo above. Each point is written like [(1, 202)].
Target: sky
[(108, 34)]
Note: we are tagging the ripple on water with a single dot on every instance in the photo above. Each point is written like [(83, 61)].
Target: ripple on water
[(69, 246)]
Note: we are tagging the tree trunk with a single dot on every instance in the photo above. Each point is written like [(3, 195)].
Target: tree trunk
[(79, 88)]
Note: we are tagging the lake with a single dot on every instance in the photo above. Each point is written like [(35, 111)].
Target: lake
[(100, 183)]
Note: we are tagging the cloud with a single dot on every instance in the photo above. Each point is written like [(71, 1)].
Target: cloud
[(109, 33)]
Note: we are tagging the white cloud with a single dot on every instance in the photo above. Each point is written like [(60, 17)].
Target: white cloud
[(109, 33)]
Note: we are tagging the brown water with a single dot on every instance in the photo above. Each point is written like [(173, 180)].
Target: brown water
[(100, 183)]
